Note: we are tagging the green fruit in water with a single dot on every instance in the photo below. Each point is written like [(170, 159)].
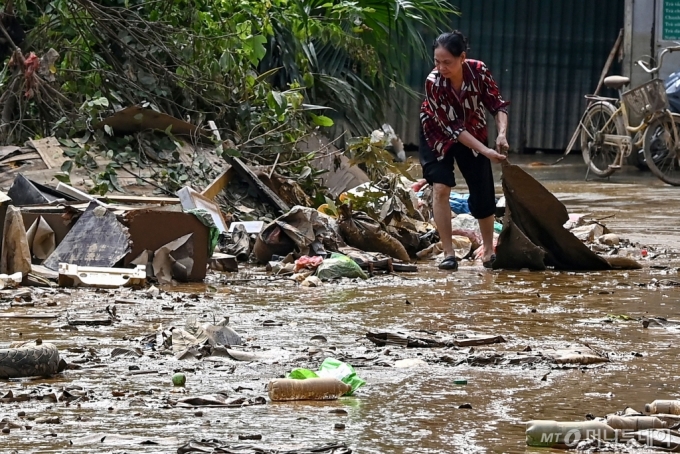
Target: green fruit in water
[(179, 379)]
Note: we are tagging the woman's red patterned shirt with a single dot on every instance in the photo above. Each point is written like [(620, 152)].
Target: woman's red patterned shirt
[(445, 114)]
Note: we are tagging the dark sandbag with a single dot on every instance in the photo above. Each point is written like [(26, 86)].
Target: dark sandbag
[(295, 231), (362, 232), (623, 263), (532, 210)]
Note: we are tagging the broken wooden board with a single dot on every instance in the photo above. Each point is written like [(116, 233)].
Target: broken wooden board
[(218, 184), (29, 316), (19, 158), (50, 151), (96, 239), (192, 200), (90, 321), (134, 199), (8, 151), (474, 341), (262, 189)]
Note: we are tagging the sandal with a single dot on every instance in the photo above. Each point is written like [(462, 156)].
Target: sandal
[(489, 263), (449, 263)]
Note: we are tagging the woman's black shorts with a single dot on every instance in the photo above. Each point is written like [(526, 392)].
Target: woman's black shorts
[(475, 169)]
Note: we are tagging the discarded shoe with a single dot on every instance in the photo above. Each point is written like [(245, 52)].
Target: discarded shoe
[(489, 263), (449, 263)]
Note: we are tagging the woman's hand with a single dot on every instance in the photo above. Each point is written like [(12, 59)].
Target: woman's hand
[(493, 155), (502, 145)]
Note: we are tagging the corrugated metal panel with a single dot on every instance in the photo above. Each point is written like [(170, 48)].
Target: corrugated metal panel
[(545, 55)]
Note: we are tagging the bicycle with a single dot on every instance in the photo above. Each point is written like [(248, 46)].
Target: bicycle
[(607, 137)]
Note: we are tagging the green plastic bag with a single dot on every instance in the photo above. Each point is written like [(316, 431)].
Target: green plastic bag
[(332, 368), (214, 234), (339, 266), (301, 374)]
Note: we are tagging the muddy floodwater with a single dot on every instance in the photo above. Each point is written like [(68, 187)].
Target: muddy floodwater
[(400, 410)]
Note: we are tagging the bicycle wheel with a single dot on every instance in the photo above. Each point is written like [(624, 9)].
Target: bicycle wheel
[(661, 149), (596, 154)]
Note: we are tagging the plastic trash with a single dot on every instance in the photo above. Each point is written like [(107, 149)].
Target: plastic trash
[(311, 263), (179, 379), (339, 266), (668, 407), (548, 434), (321, 388), (466, 225), (459, 203), (673, 91), (465, 222), (10, 281), (332, 368), (635, 423)]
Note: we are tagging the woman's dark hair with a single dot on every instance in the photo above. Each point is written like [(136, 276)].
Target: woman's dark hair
[(455, 42)]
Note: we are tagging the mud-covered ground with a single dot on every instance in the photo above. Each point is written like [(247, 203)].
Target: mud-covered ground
[(401, 409)]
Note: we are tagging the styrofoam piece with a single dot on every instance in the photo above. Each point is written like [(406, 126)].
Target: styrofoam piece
[(91, 276), (251, 226)]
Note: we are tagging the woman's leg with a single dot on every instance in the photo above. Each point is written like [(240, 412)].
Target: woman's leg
[(442, 215), (479, 177), (439, 173), (486, 227)]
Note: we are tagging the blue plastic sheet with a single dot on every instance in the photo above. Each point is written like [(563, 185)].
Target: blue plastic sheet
[(459, 203)]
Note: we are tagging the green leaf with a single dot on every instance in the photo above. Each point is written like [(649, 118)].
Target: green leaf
[(67, 166), (226, 61), (234, 153), (64, 178), (109, 130), (256, 44), (321, 120), (146, 78), (103, 102), (113, 178), (306, 171)]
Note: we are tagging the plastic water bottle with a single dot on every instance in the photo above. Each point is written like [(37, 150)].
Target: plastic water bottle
[(308, 389), (553, 434), (635, 423), (668, 407)]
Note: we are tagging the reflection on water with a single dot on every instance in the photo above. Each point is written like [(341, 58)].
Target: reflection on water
[(400, 410)]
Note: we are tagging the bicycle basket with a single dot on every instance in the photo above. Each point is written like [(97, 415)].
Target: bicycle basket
[(646, 99)]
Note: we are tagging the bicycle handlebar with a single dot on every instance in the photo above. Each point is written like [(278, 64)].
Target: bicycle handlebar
[(662, 54)]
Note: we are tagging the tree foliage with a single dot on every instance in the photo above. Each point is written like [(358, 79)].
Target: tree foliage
[(265, 71)]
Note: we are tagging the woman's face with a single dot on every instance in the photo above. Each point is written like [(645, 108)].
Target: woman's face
[(448, 65)]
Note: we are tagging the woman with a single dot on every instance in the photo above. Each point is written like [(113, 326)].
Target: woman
[(453, 120)]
